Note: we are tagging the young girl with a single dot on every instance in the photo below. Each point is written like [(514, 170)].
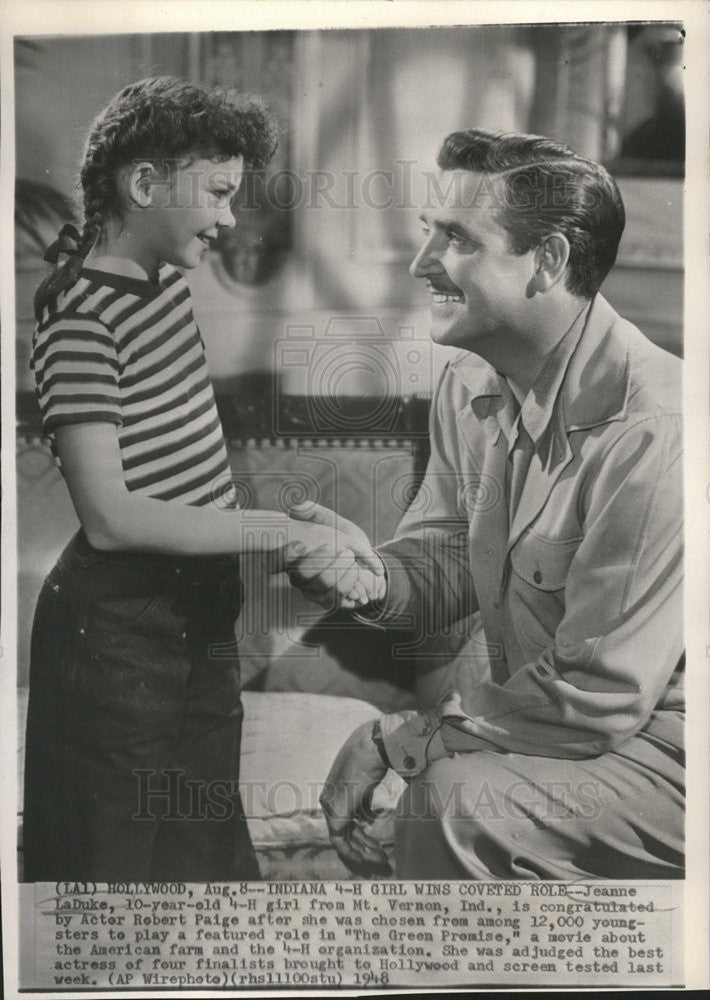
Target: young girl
[(134, 716)]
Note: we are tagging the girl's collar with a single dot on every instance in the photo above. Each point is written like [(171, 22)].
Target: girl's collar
[(126, 283)]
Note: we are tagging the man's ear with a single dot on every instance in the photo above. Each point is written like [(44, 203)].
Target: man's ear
[(551, 259), (140, 181)]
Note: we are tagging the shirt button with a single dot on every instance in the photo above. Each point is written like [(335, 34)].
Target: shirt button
[(82, 631), (178, 570), (409, 762), (184, 635), (488, 551), (496, 604), (537, 576)]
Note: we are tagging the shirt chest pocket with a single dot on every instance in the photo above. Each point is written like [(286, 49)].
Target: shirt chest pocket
[(543, 563)]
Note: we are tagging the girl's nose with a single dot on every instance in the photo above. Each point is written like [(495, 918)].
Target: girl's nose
[(226, 218)]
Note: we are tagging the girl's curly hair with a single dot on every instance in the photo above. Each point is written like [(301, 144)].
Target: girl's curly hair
[(168, 121)]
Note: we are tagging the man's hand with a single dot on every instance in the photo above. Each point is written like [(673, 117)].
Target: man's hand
[(332, 581), (356, 772)]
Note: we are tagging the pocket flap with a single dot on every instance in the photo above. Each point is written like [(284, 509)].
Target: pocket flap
[(542, 562)]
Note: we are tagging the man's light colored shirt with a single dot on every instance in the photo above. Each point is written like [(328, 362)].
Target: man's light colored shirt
[(573, 595)]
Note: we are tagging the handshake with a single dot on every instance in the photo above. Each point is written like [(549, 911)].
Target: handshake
[(329, 559)]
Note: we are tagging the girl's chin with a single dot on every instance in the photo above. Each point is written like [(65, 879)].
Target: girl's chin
[(189, 259)]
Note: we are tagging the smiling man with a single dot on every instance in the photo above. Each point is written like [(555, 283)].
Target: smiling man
[(549, 521)]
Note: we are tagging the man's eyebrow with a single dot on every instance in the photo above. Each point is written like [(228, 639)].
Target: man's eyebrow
[(449, 224)]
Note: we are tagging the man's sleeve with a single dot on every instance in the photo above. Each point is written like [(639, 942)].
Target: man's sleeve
[(427, 563), (620, 638)]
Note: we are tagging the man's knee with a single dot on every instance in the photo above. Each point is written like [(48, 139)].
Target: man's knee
[(454, 802), (479, 798), (433, 793)]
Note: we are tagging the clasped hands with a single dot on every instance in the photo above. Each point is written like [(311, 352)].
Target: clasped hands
[(329, 559)]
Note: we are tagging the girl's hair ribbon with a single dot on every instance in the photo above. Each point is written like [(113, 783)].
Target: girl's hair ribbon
[(67, 243)]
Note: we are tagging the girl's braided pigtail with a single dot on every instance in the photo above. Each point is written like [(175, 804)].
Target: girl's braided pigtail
[(75, 247)]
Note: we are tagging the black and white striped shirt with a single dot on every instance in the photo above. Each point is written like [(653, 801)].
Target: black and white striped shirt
[(126, 351)]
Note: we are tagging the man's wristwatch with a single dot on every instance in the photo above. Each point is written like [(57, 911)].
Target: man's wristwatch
[(380, 743)]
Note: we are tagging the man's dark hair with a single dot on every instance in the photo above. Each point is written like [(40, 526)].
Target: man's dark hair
[(547, 188)]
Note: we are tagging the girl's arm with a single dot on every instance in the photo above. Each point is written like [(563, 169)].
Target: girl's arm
[(114, 518)]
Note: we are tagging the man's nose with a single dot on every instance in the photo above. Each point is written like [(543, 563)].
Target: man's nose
[(427, 261)]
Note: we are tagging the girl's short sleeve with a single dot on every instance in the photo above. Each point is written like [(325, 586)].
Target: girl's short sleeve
[(76, 371)]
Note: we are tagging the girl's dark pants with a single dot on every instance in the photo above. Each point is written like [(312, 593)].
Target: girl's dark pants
[(134, 721)]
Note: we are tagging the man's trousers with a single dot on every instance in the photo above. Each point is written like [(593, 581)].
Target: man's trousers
[(496, 815)]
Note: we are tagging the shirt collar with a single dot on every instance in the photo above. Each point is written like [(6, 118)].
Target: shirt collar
[(142, 287), (587, 371), (537, 406)]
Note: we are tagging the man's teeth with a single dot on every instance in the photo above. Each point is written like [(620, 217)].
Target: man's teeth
[(441, 297)]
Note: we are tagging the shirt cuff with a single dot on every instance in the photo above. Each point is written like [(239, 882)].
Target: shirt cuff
[(412, 742)]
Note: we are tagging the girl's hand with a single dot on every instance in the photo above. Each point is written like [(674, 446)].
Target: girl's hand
[(367, 588)]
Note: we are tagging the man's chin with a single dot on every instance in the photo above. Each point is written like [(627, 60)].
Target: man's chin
[(448, 337)]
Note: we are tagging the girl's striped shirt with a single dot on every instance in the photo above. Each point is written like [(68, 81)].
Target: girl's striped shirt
[(119, 349)]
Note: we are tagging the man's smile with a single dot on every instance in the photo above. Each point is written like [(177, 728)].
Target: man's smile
[(439, 298), (444, 294)]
